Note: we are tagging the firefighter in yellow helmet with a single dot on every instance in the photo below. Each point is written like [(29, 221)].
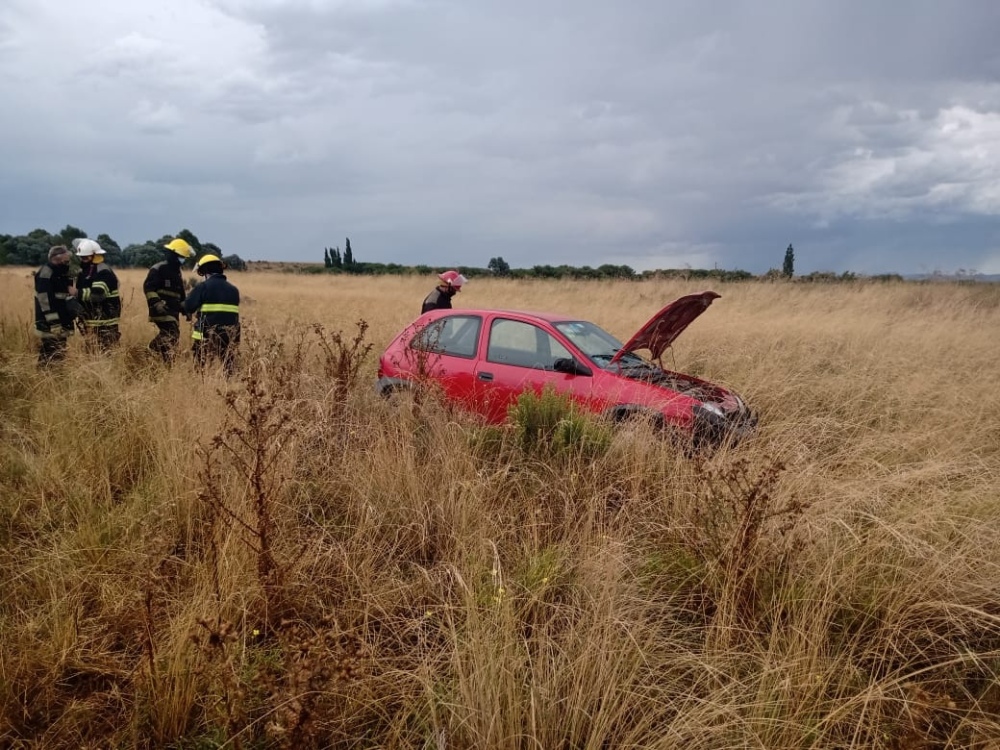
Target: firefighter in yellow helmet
[(164, 290), (216, 302)]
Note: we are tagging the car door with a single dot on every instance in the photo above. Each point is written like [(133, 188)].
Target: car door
[(444, 352), (520, 355)]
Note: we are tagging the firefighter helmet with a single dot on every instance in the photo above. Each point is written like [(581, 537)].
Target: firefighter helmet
[(209, 264), (452, 278), (181, 247), (86, 248)]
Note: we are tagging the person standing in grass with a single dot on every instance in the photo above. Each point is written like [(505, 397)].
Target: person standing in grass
[(164, 290), (216, 302), (55, 306), (97, 291), (440, 297)]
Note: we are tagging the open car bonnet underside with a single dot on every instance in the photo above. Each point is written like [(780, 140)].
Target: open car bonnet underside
[(662, 329)]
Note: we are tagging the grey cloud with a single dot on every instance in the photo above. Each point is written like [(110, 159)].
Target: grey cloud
[(582, 132)]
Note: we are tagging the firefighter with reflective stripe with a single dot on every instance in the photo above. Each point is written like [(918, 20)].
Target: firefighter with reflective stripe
[(55, 306), (216, 302), (97, 290), (164, 290)]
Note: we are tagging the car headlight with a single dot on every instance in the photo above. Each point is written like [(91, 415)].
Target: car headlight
[(713, 409), (710, 425)]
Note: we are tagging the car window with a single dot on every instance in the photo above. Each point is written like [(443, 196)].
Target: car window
[(513, 342), (457, 335), (599, 345)]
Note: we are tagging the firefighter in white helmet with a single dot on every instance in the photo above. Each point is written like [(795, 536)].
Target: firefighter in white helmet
[(98, 292), (164, 289), (440, 297)]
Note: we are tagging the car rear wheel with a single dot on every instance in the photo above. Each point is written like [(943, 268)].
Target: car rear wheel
[(398, 393)]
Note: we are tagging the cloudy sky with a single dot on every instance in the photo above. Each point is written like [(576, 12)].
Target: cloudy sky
[(657, 133)]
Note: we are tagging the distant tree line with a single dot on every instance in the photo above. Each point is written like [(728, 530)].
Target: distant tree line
[(32, 249), (337, 261), (341, 262)]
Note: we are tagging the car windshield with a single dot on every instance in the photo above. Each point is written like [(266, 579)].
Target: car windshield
[(599, 345)]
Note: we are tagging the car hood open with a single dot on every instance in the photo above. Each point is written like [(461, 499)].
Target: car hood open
[(660, 331)]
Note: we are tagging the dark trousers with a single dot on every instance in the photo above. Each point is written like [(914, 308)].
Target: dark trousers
[(166, 339), (102, 338), (218, 343), (51, 351)]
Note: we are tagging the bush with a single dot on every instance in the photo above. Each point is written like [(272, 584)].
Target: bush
[(550, 424), (234, 262)]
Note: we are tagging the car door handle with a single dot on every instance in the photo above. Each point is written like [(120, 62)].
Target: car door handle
[(485, 375)]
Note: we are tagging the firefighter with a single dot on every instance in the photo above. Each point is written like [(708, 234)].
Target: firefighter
[(97, 291), (55, 306), (216, 302), (164, 289), (440, 297)]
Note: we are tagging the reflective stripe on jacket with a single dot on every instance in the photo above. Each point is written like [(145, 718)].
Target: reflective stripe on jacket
[(51, 293), (97, 287), (217, 304), (164, 284)]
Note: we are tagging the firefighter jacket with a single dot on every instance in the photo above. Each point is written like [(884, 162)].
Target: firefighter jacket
[(164, 290), (97, 290), (54, 308), (437, 300), (217, 303)]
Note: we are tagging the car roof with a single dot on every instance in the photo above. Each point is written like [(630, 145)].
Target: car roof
[(545, 316)]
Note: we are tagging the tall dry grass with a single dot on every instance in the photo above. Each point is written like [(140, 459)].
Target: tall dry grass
[(285, 561)]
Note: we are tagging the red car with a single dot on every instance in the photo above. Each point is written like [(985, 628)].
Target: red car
[(484, 359)]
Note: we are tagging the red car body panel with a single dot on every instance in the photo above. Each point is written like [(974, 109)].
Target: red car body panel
[(660, 331), (484, 359)]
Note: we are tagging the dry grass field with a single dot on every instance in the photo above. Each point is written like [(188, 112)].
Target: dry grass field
[(285, 561)]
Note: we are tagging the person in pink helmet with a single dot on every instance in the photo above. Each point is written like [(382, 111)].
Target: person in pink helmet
[(440, 297)]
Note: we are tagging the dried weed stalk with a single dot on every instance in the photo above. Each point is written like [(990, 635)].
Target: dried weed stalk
[(314, 660), (742, 525), (257, 434), (343, 358)]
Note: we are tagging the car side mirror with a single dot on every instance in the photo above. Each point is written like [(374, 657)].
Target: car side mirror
[(570, 366)]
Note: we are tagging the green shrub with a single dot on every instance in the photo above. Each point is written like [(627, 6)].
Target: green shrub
[(550, 424)]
